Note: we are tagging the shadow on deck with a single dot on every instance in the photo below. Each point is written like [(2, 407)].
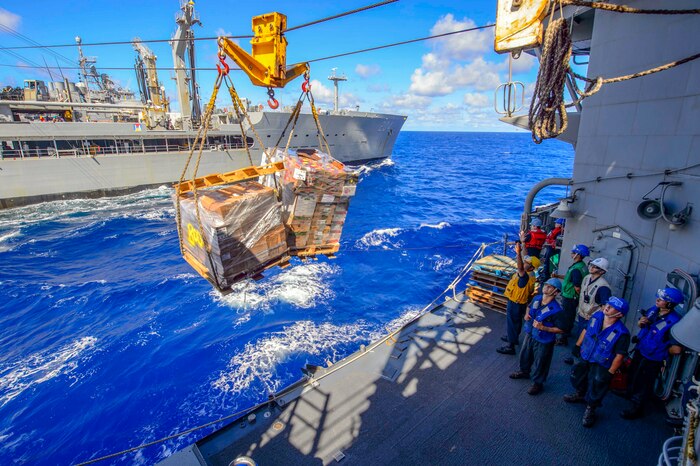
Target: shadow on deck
[(438, 393)]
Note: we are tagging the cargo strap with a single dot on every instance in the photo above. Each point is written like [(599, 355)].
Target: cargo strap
[(198, 146), (306, 94)]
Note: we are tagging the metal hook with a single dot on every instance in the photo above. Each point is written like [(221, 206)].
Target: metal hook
[(222, 66)]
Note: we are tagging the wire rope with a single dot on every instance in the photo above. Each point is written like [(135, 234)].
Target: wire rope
[(248, 36), (370, 49)]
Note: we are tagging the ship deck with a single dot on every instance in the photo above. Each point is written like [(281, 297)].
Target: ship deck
[(438, 393)]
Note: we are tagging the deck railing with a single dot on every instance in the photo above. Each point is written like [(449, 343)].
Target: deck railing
[(96, 151)]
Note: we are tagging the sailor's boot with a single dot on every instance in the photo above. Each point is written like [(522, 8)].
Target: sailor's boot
[(589, 417)]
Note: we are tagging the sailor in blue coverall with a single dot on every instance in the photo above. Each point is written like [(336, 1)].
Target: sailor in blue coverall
[(654, 344), (542, 322), (601, 348)]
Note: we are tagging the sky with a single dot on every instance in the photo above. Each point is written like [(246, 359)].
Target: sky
[(445, 84)]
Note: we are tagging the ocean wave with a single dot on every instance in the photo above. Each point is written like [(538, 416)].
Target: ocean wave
[(380, 237), (439, 226), (6, 236), (370, 167), (259, 359), (17, 377), (302, 286), (154, 203), (496, 221)]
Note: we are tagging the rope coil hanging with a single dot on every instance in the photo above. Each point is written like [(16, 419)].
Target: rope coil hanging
[(547, 115)]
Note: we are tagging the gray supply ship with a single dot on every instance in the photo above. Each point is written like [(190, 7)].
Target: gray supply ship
[(92, 138), (435, 391)]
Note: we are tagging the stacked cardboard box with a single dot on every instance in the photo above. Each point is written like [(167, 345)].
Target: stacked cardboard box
[(316, 192), (242, 225)]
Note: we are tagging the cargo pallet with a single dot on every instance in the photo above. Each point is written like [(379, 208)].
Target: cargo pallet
[(311, 252), (256, 274), (488, 281)]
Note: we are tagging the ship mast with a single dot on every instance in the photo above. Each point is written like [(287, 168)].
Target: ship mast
[(183, 41), (84, 62), (335, 78)]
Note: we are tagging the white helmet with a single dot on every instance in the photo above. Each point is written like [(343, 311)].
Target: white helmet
[(601, 263)]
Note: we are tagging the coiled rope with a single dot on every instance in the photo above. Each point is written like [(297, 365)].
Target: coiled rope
[(547, 114)]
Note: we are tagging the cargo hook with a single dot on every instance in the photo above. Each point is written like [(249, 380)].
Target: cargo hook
[(222, 66), (306, 85), (272, 102)]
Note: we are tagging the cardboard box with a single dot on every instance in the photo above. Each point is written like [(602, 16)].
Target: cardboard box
[(242, 232)]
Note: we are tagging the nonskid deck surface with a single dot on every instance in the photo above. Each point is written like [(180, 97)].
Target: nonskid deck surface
[(441, 395)]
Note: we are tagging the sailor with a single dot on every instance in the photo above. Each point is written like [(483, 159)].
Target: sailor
[(601, 348), (571, 288), (595, 291), (550, 246), (518, 292), (541, 325), (654, 345), (534, 239)]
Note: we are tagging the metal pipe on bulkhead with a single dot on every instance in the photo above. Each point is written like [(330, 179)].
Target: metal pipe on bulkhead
[(530, 198)]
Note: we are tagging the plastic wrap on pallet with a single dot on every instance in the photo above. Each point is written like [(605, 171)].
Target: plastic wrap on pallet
[(316, 191), (241, 223)]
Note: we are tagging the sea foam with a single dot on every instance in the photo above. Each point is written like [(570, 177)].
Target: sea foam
[(16, 377)]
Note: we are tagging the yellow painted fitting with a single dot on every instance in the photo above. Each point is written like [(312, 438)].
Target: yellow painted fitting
[(267, 66)]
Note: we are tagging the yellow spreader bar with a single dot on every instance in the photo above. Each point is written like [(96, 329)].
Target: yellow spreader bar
[(216, 179)]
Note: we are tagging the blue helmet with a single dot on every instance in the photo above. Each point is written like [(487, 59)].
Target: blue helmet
[(555, 282), (560, 221), (619, 304), (581, 250), (535, 222), (671, 295)]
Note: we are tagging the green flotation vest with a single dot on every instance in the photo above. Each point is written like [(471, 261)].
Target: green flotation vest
[(568, 290)]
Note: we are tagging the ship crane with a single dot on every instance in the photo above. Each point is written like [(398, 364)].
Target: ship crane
[(156, 103)]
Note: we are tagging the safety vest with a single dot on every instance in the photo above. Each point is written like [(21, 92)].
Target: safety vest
[(589, 288), (551, 239), (537, 238), (542, 313), (520, 295), (568, 290), (598, 343), (653, 343)]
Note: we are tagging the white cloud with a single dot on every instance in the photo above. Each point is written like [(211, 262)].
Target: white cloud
[(324, 95), (9, 20), (222, 32), (365, 71), (404, 102), (461, 46), (432, 61), (478, 74), (523, 64), (476, 99)]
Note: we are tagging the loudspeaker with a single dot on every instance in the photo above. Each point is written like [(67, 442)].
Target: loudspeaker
[(686, 331), (649, 209)]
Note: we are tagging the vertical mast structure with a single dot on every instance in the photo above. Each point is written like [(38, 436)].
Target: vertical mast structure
[(335, 78), (183, 43)]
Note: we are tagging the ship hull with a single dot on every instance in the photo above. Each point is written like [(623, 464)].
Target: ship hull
[(28, 176)]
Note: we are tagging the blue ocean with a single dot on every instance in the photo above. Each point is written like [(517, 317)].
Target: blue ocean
[(109, 340)]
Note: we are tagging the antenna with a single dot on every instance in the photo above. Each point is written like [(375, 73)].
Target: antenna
[(335, 78)]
